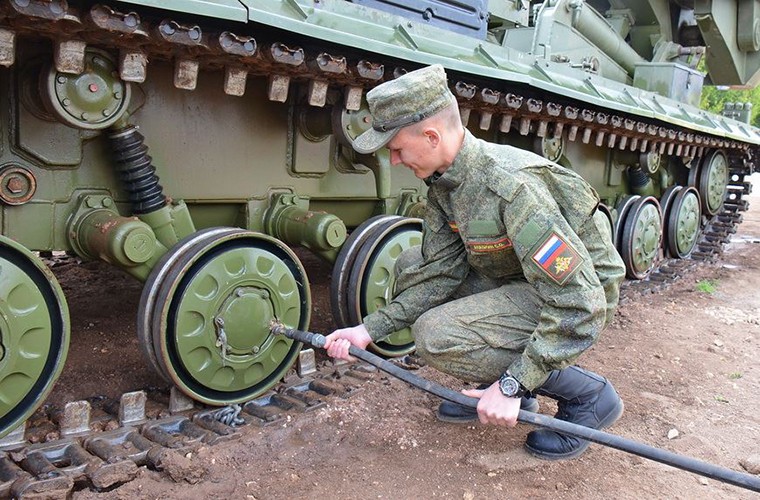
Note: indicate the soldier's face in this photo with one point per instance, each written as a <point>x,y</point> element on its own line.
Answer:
<point>417,150</point>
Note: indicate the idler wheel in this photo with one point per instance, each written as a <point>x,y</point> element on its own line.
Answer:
<point>207,308</point>
<point>34,333</point>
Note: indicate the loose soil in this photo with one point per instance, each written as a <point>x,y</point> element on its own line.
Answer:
<point>684,361</point>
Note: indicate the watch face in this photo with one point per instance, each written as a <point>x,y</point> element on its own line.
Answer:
<point>509,386</point>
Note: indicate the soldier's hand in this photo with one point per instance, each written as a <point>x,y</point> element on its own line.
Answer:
<point>494,407</point>
<point>339,341</point>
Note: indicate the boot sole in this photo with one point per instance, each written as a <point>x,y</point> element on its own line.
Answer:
<point>455,420</point>
<point>610,419</point>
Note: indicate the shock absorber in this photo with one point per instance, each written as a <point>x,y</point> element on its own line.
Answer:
<point>640,182</point>
<point>137,173</point>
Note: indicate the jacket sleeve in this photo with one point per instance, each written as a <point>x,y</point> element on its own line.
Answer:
<point>557,263</point>
<point>425,284</point>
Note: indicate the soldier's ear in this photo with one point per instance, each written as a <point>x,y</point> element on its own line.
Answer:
<point>433,136</point>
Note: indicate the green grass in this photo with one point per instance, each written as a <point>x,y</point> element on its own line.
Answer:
<point>707,286</point>
<point>735,375</point>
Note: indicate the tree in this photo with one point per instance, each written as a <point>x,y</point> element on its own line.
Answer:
<point>713,99</point>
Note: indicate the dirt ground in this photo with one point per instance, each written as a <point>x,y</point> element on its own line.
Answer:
<point>684,361</point>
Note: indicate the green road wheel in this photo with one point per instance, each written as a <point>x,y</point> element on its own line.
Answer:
<point>211,314</point>
<point>683,223</point>
<point>666,202</point>
<point>713,182</point>
<point>34,333</point>
<point>608,213</point>
<point>641,237</point>
<point>159,276</point>
<point>341,271</point>
<point>373,278</point>
<point>622,209</point>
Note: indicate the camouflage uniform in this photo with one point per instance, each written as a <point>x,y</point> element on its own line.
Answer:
<point>517,274</point>
<point>518,244</point>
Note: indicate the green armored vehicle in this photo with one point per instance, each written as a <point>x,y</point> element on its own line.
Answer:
<point>249,108</point>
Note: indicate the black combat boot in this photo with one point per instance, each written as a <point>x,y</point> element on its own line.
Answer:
<point>583,398</point>
<point>459,414</point>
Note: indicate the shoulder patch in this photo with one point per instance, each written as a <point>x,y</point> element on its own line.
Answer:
<point>557,258</point>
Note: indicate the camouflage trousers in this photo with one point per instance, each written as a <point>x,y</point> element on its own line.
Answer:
<point>481,331</point>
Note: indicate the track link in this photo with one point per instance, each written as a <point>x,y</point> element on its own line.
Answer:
<point>330,69</point>
<point>278,57</point>
<point>715,236</point>
<point>100,444</point>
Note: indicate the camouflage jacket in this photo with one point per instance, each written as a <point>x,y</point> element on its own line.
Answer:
<point>511,214</point>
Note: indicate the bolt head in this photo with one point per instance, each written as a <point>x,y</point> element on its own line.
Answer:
<point>15,185</point>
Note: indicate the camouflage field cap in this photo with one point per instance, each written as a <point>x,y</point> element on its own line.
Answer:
<point>398,103</point>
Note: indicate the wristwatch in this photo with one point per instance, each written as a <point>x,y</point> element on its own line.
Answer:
<point>510,386</point>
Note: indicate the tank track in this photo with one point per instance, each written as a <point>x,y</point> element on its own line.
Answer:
<point>99,443</point>
<point>191,46</point>
<point>102,459</point>
<point>716,234</point>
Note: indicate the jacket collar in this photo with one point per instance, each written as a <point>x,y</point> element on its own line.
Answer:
<point>455,174</point>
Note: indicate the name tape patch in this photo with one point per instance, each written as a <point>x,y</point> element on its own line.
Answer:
<point>557,258</point>
<point>489,246</point>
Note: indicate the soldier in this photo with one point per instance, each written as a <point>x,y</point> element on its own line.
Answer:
<point>516,276</point>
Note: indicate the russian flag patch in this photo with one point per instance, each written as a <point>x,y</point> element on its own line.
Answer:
<point>557,258</point>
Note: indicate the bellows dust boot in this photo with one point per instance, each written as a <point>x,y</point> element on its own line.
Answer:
<point>583,398</point>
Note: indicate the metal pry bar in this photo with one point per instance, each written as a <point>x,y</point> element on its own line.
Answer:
<point>613,441</point>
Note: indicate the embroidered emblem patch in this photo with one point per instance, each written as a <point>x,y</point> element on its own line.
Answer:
<point>453,226</point>
<point>489,246</point>
<point>557,258</point>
